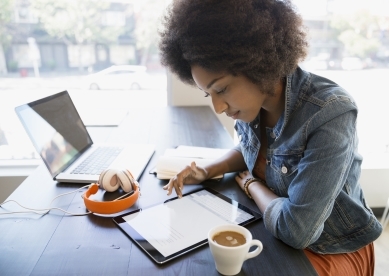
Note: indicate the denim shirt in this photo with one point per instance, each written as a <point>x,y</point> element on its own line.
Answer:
<point>314,168</point>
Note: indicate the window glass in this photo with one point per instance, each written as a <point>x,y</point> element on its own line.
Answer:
<point>42,53</point>
<point>47,46</point>
<point>349,44</point>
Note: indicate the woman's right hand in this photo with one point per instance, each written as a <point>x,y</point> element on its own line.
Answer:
<point>189,175</point>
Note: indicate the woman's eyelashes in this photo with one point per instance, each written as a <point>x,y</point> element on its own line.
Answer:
<point>222,90</point>
<point>217,92</point>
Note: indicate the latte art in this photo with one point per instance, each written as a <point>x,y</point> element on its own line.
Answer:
<point>229,238</point>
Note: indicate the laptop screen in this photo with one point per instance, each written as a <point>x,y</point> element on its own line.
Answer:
<point>56,130</point>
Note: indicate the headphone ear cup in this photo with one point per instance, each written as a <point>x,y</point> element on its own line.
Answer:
<point>109,181</point>
<point>109,207</point>
<point>126,180</point>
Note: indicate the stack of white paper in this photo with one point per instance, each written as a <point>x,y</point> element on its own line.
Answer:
<point>175,160</point>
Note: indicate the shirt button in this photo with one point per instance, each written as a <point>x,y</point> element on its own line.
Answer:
<point>284,169</point>
<point>272,135</point>
<point>256,126</point>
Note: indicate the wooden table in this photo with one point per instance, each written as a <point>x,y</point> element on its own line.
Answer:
<point>56,244</point>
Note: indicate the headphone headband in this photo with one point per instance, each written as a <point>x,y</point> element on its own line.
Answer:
<point>109,207</point>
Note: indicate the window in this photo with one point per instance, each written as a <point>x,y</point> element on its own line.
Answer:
<point>349,44</point>
<point>47,46</point>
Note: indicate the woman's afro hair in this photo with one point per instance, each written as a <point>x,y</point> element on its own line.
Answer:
<point>263,40</point>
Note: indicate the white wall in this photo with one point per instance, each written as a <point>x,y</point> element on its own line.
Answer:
<point>375,185</point>
<point>186,95</point>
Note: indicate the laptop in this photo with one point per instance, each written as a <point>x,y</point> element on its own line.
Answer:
<point>65,146</point>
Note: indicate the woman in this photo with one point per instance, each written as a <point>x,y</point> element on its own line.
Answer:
<point>297,157</point>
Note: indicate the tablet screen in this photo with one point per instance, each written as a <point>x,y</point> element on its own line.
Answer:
<point>177,226</point>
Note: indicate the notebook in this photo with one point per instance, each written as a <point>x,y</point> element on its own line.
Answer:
<point>65,146</point>
<point>168,230</point>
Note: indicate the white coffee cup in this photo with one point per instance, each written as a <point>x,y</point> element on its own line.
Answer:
<point>229,260</point>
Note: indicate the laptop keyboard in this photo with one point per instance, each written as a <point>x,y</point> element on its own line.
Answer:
<point>98,161</point>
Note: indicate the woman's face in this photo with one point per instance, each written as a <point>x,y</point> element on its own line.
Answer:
<point>236,96</point>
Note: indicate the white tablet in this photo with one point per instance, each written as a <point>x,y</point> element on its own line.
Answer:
<point>177,226</point>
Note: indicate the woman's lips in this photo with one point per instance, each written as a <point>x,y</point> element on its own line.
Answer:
<point>233,115</point>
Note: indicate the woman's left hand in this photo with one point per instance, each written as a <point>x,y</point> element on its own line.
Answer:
<point>242,177</point>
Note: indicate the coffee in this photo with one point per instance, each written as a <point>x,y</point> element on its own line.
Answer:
<point>229,238</point>
<point>230,246</point>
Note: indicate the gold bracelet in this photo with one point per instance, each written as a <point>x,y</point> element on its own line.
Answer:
<point>247,184</point>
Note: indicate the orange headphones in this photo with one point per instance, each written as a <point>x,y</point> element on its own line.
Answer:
<point>110,180</point>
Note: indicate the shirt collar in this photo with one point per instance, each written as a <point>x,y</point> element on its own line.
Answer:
<point>296,84</point>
